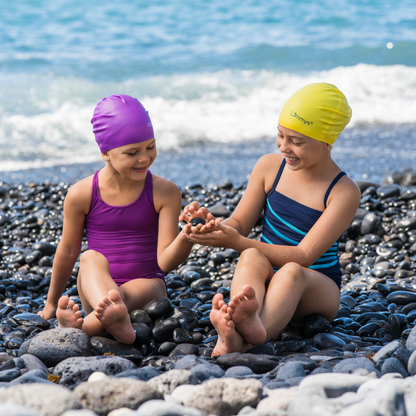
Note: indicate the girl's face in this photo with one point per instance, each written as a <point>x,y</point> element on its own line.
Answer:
<point>300,151</point>
<point>132,160</point>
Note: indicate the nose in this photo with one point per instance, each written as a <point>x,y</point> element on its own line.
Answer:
<point>281,144</point>
<point>143,157</point>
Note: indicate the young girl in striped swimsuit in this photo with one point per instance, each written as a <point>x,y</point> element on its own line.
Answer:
<point>308,202</point>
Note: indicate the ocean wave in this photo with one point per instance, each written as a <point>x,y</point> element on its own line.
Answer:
<point>224,106</point>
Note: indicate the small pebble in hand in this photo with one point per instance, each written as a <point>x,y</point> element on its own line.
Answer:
<point>195,221</point>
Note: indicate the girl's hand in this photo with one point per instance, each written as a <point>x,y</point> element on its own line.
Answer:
<point>194,210</point>
<point>221,236</point>
<point>208,227</point>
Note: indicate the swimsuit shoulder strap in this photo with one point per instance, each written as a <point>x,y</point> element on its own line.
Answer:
<point>333,183</point>
<point>279,174</point>
<point>148,188</point>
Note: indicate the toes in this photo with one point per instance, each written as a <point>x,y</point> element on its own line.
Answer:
<point>71,304</point>
<point>104,303</point>
<point>249,291</point>
<point>114,296</point>
<point>216,299</point>
<point>241,296</point>
<point>63,302</point>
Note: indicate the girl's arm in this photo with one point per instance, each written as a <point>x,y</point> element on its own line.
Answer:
<point>341,208</point>
<point>172,248</point>
<point>251,204</point>
<point>76,206</point>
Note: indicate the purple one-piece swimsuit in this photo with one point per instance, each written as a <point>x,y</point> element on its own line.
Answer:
<point>125,235</point>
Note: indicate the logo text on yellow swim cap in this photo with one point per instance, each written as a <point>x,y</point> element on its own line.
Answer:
<point>295,115</point>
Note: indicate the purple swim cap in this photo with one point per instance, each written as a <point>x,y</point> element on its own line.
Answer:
<point>119,120</point>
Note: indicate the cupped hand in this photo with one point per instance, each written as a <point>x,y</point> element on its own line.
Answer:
<point>221,236</point>
<point>194,210</point>
<point>199,229</point>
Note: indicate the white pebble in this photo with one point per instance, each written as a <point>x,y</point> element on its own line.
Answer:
<point>97,376</point>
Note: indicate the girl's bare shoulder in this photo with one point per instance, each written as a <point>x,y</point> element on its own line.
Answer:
<point>164,192</point>
<point>80,194</point>
<point>346,190</point>
<point>266,169</point>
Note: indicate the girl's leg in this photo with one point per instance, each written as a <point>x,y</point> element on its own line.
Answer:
<point>253,268</point>
<point>295,292</point>
<point>292,292</point>
<point>107,306</point>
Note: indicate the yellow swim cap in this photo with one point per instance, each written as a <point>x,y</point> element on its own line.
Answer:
<point>319,110</point>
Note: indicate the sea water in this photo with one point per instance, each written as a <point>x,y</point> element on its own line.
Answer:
<point>211,73</point>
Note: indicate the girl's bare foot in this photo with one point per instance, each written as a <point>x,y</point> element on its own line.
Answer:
<point>229,340</point>
<point>243,311</point>
<point>68,314</point>
<point>113,314</point>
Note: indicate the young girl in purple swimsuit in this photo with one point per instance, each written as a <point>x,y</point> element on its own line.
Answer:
<point>131,222</point>
<point>308,202</point>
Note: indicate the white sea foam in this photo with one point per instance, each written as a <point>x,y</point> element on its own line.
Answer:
<point>226,106</point>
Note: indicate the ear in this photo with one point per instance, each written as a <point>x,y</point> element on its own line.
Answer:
<point>105,156</point>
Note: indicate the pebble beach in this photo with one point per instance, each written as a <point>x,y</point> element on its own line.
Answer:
<point>214,77</point>
<point>363,362</point>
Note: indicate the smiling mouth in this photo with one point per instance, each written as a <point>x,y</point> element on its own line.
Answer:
<point>291,159</point>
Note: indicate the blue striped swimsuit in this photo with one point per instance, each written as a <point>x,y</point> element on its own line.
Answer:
<point>286,222</point>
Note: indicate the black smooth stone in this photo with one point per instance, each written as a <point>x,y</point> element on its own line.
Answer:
<point>195,221</point>
<point>258,363</point>
<point>368,329</point>
<point>103,345</point>
<point>142,332</point>
<point>325,340</point>
<point>366,316</point>
<point>181,336</point>
<point>411,317</point>
<point>205,281</point>
<point>166,348</point>
<point>47,249</point>
<point>218,258</point>
<point>383,289</point>
<point>190,303</point>
<point>401,297</point>
<point>393,327</point>
<point>33,257</point>
<point>409,307</point>
<point>185,349</point>
<point>164,330</point>
<point>158,307</point>
<point>185,316</point>
<point>371,224</point>
<point>197,338</point>
<point>14,343</point>
<point>388,191</point>
<point>314,324</point>
<point>190,276</point>
<point>31,319</point>
<point>205,295</point>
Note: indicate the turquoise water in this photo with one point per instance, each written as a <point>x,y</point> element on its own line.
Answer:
<point>207,71</point>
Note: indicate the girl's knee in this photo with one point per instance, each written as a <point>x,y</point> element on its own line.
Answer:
<point>251,254</point>
<point>91,255</point>
<point>291,272</point>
